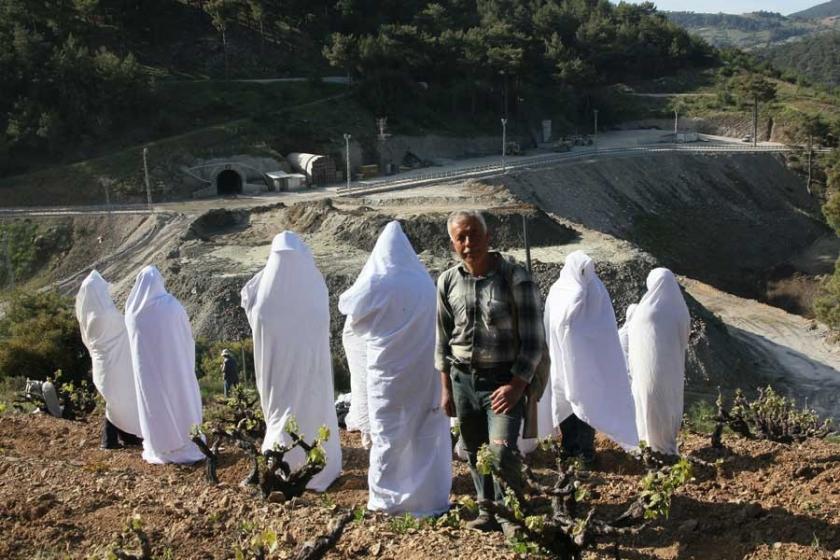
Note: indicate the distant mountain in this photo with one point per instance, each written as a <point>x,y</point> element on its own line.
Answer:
<point>751,31</point>
<point>755,21</point>
<point>817,58</point>
<point>827,9</point>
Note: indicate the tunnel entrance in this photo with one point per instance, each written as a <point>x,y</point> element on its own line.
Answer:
<point>228,182</point>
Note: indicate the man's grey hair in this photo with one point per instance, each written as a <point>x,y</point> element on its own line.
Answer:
<point>462,215</point>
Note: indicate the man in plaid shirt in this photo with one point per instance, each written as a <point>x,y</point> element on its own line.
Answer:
<point>489,342</point>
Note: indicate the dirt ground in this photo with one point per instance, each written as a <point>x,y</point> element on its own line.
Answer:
<point>60,496</point>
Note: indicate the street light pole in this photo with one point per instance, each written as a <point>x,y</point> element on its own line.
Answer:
<point>596,129</point>
<point>7,260</point>
<point>146,175</point>
<point>347,156</point>
<point>676,123</point>
<point>106,185</point>
<point>504,144</point>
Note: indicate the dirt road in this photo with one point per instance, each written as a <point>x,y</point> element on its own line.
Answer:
<point>781,342</point>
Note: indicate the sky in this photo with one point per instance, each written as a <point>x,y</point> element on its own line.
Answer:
<point>733,6</point>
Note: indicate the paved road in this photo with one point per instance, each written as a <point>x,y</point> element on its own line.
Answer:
<point>667,95</point>
<point>326,79</point>
<point>610,145</point>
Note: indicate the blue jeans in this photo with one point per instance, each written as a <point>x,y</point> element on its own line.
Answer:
<point>479,425</point>
<point>229,385</point>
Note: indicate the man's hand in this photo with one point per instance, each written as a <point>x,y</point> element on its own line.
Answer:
<point>447,403</point>
<point>505,397</point>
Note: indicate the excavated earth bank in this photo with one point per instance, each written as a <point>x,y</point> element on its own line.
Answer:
<point>222,249</point>
<point>727,220</point>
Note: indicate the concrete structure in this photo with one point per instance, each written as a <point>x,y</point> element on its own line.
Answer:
<point>231,175</point>
<point>683,137</point>
<point>281,181</point>
<point>318,169</point>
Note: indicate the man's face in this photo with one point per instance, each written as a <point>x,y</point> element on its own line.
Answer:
<point>469,241</point>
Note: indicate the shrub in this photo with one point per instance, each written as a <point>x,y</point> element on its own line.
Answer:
<point>700,416</point>
<point>208,358</point>
<point>827,306</point>
<point>770,416</point>
<point>18,237</point>
<point>38,335</point>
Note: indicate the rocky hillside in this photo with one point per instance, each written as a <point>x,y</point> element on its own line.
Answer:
<point>817,58</point>
<point>824,10</point>
<point>749,31</point>
<point>726,220</point>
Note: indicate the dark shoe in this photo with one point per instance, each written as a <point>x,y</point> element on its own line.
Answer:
<point>130,439</point>
<point>110,438</point>
<point>484,522</point>
<point>510,530</point>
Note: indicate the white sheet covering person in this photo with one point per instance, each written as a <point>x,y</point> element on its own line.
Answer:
<point>622,333</point>
<point>355,348</point>
<point>163,356</point>
<point>588,371</point>
<point>104,334</point>
<point>287,305</point>
<point>392,304</point>
<point>657,341</point>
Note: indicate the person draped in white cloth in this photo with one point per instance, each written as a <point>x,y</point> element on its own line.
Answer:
<point>623,333</point>
<point>392,305</point>
<point>589,375</point>
<point>104,334</point>
<point>355,348</point>
<point>287,305</point>
<point>657,337</point>
<point>163,356</point>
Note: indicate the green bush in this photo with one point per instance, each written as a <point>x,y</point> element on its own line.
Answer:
<point>700,416</point>
<point>39,334</point>
<point>208,357</point>
<point>10,389</point>
<point>19,238</point>
<point>827,306</point>
<point>210,386</point>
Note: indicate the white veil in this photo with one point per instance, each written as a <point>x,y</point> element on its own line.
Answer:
<point>588,367</point>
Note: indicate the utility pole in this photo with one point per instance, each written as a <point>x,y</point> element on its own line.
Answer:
<point>810,154</point>
<point>106,184</point>
<point>505,94</point>
<point>385,164</point>
<point>504,144</point>
<point>347,156</point>
<point>595,111</point>
<point>525,242</point>
<point>8,259</point>
<point>676,124</point>
<point>755,121</point>
<point>146,175</point>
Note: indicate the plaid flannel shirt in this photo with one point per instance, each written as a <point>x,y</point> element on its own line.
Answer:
<point>475,323</point>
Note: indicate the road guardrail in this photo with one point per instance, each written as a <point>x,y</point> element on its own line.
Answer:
<point>513,163</point>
